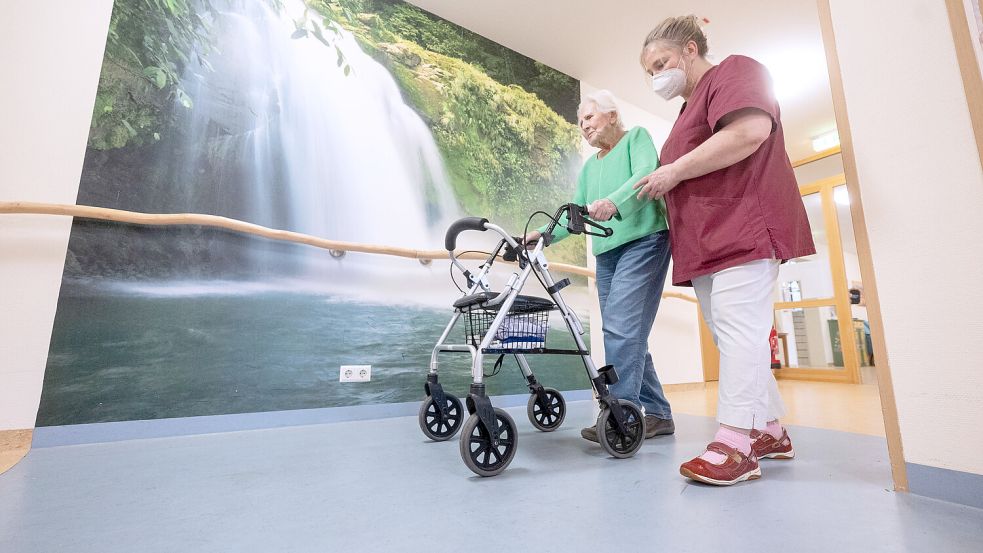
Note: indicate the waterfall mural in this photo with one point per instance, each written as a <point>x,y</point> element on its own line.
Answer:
<point>368,121</point>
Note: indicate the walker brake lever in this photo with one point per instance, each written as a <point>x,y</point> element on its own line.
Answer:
<point>605,231</point>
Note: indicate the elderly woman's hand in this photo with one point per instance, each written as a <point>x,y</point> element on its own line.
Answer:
<point>657,183</point>
<point>602,210</point>
<point>529,240</point>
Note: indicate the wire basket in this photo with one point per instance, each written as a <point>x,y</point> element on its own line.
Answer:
<point>523,328</point>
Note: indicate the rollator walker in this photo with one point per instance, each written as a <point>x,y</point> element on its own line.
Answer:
<point>507,323</point>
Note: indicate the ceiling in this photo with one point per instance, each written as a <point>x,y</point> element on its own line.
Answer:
<point>599,44</point>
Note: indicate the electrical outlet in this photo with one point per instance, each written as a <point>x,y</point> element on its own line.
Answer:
<point>355,373</point>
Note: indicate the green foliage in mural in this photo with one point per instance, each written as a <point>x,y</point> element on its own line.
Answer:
<point>507,150</point>
<point>559,91</point>
<point>150,43</point>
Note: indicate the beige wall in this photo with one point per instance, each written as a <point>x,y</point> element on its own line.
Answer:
<point>922,192</point>
<point>51,53</point>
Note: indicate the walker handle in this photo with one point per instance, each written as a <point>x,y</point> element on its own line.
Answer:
<point>578,221</point>
<point>461,225</point>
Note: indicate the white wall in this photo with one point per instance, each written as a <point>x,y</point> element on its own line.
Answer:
<point>675,339</point>
<point>51,53</point>
<point>922,191</point>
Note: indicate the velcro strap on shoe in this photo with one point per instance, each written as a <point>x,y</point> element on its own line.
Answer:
<point>726,451</point>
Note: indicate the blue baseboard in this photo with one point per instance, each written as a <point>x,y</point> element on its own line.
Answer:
<point>954,486</point>
<point>76,434</point>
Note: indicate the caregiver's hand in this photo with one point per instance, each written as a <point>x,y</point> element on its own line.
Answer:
<point>657,183</point>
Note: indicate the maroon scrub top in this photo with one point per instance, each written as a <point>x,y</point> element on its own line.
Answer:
<point>750,210</point>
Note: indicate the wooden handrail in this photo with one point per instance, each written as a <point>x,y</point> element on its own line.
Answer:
<point>820,155</point>
<point>679,296</point>
<point>216,221</point>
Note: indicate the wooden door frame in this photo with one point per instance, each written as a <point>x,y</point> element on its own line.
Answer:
<point>709,352</point>
<point>892,428</point>
<point>969,66</point>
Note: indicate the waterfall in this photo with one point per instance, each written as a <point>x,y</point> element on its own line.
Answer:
<point>308,147</point>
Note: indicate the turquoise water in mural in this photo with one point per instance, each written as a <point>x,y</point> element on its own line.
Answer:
<point>115,358</point>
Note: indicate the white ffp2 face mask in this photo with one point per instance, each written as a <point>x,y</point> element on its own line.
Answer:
<point>669,83</point>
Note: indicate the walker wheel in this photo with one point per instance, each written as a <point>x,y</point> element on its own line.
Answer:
<point>551,417</point>
<point>483,456</point>
<point>437,426</point>
<point>616,444</point>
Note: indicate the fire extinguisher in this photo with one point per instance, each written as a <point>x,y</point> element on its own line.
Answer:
<point>773,341</point>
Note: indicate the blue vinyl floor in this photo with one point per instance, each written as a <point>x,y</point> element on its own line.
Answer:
<point>379,485</point>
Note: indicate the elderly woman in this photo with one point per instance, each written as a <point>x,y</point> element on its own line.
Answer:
<point>631,263</point>
<point>734,214</point>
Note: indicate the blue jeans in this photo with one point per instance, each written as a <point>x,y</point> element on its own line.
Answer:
<point>629,286</point>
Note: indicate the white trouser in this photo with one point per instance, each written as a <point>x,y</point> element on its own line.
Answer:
<point>737,305</point>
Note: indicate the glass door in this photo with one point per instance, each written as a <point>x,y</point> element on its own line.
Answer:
<point>813,316</point>
<point>820,334</point>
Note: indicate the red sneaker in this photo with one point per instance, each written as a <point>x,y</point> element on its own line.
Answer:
<point>737,467</point>
<point>765,446</point>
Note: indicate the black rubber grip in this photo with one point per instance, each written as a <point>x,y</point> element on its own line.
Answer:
<point>461,225</point>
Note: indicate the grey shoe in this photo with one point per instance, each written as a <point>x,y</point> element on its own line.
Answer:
<point>654,426</point>
<point>590,434</point>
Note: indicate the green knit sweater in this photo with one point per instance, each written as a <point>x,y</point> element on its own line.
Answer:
<point>612,177</point>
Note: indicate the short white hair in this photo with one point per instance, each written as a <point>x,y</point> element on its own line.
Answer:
<point>604,101</point>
